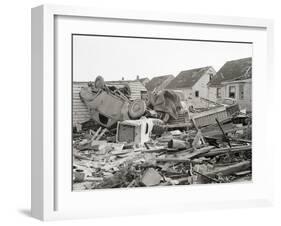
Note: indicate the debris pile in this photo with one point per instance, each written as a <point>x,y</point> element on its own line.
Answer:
<point>148,151</point>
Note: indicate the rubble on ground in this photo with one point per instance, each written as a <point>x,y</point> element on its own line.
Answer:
<point>148,151</point>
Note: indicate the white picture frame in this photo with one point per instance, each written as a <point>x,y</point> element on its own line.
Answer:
<point>51,196</point>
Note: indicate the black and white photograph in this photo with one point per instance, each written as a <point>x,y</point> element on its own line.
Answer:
<point>150,112</point>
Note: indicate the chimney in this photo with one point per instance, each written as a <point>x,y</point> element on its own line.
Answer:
<point>138,77</point>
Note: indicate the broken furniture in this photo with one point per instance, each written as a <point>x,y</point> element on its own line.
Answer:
<point>135,131</point>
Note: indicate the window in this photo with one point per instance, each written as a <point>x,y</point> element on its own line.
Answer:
<point>144,95</point>
<point>196,93</point>
<point>241,91</point>
<point>232,92</point>
<point>218,92</point>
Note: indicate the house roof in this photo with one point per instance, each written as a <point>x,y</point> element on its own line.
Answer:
<point>188,78</point>
<point>233,70</point>
<point>158,81</point>
<point>249,80</point>
<point>143,79</point>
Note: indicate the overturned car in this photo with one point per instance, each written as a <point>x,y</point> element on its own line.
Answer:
<point>108,105</point>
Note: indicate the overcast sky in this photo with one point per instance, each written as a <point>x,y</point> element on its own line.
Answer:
<point>114,58</point>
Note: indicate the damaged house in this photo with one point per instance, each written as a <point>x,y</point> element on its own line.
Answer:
<point>144,81</point>
<point>194,84</point>
<point>233,81</point>
<point>159,83</point>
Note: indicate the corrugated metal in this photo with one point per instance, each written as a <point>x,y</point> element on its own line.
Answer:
<point>80,111</point>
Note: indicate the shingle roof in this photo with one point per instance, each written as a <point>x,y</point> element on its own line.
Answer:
<point>233,70</point>
<point>188,78</point>
<point>159,81</point>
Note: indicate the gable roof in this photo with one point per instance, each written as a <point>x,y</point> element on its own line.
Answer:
<point>159,81</point>
<point>188,78</point>
<point>233,70</point>
<point>143,79</point>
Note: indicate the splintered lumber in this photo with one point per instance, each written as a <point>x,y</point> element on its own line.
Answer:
<point>96,133</point>
<point>78,156</point>
<point>242,140</point>
<point>178,160</point>
<point>212,130</point>
<point>223,133</point>
<point>242,173</point>
<point>198,139</point>
<point>101,134</point>
<point>187,125</point>
<point>188,157</point>
<point>94,179</point>
<point>161,149</point>
<point>225,171</point>
<point>199,152</point>
<point>131,183</point>
<point>208,177</point>
<point>218,151</point>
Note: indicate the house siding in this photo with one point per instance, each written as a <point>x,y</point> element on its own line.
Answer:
<point>246,102</point>
<point>187,93</point>
<point>202,87</point>
<point>80,112</point>
<point>212,92</point>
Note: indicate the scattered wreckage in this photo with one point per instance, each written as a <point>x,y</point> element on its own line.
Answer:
<point>136,144</point>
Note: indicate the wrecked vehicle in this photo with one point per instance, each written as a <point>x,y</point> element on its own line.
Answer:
<point>166,102</point>
<point>108,105</point>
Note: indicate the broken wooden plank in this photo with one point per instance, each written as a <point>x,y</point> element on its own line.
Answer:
<point>78,156</point>
<point>176,160</point>
<point>218,151</point>
<point>204,175</point>
<point>213,131</point>
<point>96,133</point>
<point>101,134</point>
<point>228,170</point>
<point>223,133</point>
<point>242,140</point>
<point>199,152</point>
<point>242,173</point>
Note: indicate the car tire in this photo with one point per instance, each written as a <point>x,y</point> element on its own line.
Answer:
<point>137,109</point>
